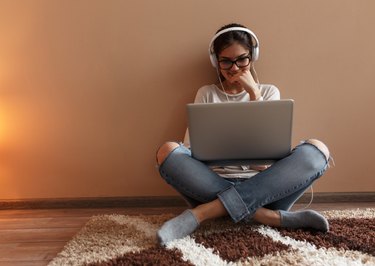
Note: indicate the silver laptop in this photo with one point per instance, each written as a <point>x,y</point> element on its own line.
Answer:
<point>257,132</point>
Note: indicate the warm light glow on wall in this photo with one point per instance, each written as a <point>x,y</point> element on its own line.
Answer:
<point>3,104</point>
<point>3,124</point>
<point>1,109</point>
<point>7,142</point>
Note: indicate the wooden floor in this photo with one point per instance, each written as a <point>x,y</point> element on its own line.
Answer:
<point>34,237</point>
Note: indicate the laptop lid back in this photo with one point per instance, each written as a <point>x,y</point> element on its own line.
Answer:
<point>256,130</point>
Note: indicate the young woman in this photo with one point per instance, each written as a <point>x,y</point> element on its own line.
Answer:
<point>263,194</point>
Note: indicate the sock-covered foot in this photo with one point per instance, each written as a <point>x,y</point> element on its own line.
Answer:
<point>178,227</point>
<point>304,219</point>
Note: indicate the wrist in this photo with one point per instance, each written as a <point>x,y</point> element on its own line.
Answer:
<point>255,94</point>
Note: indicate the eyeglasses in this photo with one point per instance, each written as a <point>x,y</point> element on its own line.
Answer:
<point>243,61</point>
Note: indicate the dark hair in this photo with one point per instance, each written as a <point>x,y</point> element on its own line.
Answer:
<point>228,38</point>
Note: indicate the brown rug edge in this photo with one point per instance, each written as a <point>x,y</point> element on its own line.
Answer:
<point>121,234</point>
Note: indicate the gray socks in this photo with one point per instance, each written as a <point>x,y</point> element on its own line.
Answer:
<point>304,219</point>
<point>178,227</point>
<point>186,223</point>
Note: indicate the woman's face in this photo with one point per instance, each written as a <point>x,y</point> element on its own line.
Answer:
<point>234,52</point>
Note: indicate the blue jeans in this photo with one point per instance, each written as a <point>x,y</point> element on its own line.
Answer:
<point>276,188</point>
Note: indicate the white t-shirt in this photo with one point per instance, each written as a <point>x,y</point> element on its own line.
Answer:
<point>212,94</point>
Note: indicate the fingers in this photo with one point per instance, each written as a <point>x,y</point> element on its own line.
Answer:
<point>243,77</point>
<point>259,167</point>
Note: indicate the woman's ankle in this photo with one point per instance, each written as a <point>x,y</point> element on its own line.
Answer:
<point>210,210</point>
<point>268,217</point>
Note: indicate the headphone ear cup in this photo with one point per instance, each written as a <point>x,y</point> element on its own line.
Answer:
<point>213,60</point>
<point>255,53</point>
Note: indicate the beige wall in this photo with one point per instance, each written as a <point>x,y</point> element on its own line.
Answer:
<point>89,89</point>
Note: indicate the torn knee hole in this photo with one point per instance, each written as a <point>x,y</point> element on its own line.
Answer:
<point>321,146</point>
<point>164,151</point>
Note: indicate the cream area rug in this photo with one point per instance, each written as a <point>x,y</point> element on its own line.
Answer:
<point>130,240</point>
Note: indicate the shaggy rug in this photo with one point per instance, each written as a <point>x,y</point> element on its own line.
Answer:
<point>130,240</point>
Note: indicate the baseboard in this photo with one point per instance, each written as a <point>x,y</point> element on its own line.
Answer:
<point>99,202</point>
<point>161,201</point>
<point>336,197</point>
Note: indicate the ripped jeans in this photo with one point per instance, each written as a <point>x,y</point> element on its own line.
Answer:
<point>276,188</point>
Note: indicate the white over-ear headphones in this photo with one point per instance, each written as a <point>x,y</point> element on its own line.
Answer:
<point>254,52</point>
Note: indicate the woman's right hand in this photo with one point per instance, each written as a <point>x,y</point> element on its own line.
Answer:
<point>244,79</point>
<point>259,167</point>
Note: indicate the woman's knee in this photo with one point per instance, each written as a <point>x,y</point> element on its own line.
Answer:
<point>321,146</point>
<point>165,150</point>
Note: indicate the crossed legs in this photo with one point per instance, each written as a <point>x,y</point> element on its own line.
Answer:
<point>215,206</point>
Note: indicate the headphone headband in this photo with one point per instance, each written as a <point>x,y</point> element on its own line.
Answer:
<point>255,50</point>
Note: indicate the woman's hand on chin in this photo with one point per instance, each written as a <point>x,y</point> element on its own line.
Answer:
<point>245,80</point>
